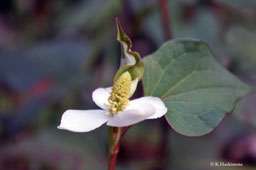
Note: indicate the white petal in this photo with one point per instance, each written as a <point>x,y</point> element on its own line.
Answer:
<point>83,120</point>
<point>156,102</point>
<point>134,113</point>
<point>100,97</point>
<point>159,105</point>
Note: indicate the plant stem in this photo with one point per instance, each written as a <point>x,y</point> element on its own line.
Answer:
<point>167,32</point>
<point>165,19</point>
<point>112,158</point>
<point>115,135</point>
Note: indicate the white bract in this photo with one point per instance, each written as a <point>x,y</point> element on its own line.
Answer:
<point>116,109</point>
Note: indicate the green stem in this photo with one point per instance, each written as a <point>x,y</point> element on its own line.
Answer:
<point>115,135</point>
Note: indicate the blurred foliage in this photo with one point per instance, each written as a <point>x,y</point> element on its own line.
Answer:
<point>54,53</point>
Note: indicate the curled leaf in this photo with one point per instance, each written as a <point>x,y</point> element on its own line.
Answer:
<point>130,60</point>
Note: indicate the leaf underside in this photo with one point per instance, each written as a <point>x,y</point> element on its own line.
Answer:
<point>196,89</point>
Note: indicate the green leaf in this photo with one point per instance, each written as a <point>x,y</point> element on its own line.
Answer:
<point>196,89</point>
<point>130,60</point>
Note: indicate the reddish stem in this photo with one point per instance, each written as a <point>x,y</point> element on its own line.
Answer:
<point>115,139</point>
<point>125,130</point>
<point>163,145</point>
<point>112,157</point>
<point>165,19</point>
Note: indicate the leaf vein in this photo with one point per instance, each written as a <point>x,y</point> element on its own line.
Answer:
<point>164,70</point>
<point>204,88</point>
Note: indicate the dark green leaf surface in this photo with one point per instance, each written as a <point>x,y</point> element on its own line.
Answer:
<point>197,90</point>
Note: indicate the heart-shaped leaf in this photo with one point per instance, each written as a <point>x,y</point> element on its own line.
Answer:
<point>197,90</point>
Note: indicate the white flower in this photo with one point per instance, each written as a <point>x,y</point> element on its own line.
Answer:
<point>136,111</point>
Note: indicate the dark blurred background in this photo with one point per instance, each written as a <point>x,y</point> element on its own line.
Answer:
<point>53,54</point>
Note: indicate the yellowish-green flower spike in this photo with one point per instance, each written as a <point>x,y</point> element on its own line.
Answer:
<point>119,96</point>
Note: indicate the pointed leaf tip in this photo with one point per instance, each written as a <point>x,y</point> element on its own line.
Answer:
<point>130,60</point>
<point>121,35</point>
<point>195,88</point>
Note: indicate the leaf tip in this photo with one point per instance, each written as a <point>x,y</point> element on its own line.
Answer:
<point>121,35</point>
<point>119,29</point>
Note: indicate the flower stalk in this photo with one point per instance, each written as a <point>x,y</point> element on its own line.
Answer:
<point>114,136</point>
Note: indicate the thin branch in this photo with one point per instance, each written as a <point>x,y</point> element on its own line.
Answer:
<point>163,144</point>
<point>165,17</point>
